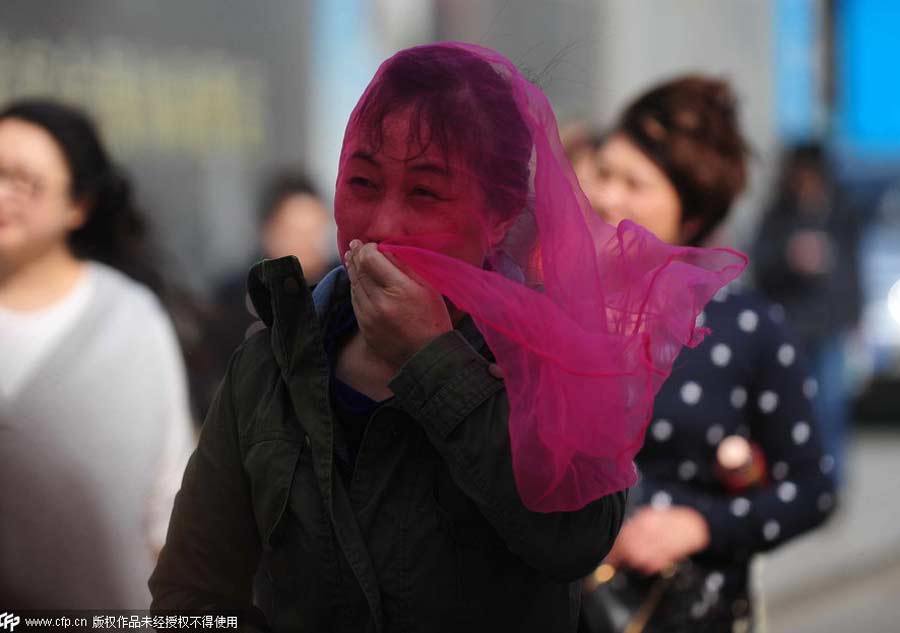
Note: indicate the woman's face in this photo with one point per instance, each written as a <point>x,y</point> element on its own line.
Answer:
<point>405,193</point>
<point>296,228</point>
<point>36,211</point>
<point>630,186</point>
<point>584,163</point>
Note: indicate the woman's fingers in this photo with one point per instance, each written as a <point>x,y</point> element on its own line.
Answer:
<point>358,277</point>
<point>614,557</point>
<point>396,315</point>
<point>362,305</point>
<point>404,269</point>
<point>371,275</point>
<point>373,264</point>
<point>359,296</point>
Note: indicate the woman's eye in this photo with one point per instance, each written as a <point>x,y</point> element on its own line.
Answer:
<point>362,183</point>
<point>425,193</point>
<point>604,174</point>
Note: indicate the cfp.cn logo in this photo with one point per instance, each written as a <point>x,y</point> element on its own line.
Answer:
<point>9,621</point>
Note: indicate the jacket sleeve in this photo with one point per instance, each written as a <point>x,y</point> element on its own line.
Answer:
<point>464,410</point>
<point>212,547</point>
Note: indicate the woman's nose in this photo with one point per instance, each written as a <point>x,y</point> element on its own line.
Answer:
<point>385,223</point>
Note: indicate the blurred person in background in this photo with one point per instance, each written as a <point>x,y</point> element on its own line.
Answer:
<point>95,425</point>
<point>292,220</point>
<point>732,463</point>
<point>581,143</point>
<point>806,259</point>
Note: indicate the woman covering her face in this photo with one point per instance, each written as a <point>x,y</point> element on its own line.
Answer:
<point>674,163</point>
<point>363,469</point>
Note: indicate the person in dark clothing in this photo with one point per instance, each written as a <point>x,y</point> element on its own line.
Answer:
<point>292,220</point>
<point>674,162</point>
<point>807,260</point>
<point>355,472</point>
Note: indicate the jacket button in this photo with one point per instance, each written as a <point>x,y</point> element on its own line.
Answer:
<point>291,286</point>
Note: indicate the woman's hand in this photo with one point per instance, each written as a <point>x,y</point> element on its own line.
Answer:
<point>397,315</point>
<point>654,538</point>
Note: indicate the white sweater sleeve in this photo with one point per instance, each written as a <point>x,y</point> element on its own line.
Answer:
<point>179,439</point>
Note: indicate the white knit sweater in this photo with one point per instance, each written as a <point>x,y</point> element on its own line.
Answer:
<point>93,444</point>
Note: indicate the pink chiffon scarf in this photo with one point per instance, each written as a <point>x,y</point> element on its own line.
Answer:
<point>585,319</point>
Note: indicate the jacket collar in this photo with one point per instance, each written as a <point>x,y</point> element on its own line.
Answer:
<point>280,297</point>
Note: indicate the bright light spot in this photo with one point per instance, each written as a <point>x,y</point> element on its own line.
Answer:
<point>893,301</point>
<point>604,573</point>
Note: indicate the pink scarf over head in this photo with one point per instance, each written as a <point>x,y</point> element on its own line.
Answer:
<point>584,318</point>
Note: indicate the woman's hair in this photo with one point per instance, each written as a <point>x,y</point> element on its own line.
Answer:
<point>114,231</point>
<point>689,128</point>
<point>281,186</point>
<point>810,159</point>
<point>463,104</point>
<point>579,139</point>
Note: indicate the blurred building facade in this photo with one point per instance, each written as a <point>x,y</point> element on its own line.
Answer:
<point>203,99</point>
<point>197,98</point>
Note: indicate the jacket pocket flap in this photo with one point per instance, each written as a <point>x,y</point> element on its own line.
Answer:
<point>270,466</point>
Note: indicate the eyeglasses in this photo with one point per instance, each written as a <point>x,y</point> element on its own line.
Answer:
<point>20,183</point>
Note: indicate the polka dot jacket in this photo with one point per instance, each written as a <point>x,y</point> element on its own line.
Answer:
<point>746,378</point>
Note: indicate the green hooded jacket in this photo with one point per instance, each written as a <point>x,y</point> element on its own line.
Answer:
<point>430,534</point>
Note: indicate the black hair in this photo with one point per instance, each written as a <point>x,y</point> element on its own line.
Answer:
<point>465,104</point>
<point>115,231</point>
<point>689,128</point>
<point>281,186</point>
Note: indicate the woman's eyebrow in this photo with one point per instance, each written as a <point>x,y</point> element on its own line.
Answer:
<point>366,157</point>
<point>426,167</point>
<point>431,168</point>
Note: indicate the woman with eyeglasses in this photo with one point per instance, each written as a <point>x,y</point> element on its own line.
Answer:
<point>95,424</point>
